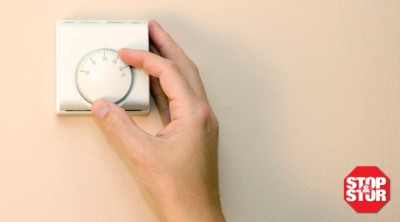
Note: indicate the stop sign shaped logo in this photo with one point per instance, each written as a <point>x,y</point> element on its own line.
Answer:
<point>366,189</point>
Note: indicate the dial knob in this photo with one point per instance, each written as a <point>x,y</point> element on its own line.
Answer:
<point>102,74</point>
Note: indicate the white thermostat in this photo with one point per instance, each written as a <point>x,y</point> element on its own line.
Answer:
<point>89,68</point>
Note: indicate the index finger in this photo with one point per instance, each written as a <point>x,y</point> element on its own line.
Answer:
<point>168,48</point>
<point>175,86</point>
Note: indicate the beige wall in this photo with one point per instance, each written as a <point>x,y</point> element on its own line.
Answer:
<point>304,90</point>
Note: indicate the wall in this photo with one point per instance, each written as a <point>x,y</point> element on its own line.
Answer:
<point>304,91</point>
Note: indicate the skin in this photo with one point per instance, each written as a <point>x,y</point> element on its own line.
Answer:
<point>177,168</point>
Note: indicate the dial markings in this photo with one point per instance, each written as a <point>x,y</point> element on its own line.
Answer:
<point>93,62</point>
<point>102,74</point>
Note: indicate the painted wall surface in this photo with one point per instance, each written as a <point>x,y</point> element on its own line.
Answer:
<point>304,91</point>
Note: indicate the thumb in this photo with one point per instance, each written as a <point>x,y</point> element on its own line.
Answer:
<point>120,127</point>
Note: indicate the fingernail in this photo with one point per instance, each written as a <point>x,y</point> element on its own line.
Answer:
<point>100,109</point>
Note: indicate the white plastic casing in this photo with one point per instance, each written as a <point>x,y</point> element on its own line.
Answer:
<point>75,39</point>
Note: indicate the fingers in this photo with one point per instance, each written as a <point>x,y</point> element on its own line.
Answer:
<point>168,48</point>
<point>174,84</point>
<point>120,127</point>
<point>164,44</point>
<point>159,96</point>
<point>161,100</point>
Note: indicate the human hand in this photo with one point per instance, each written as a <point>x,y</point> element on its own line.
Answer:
<point>177,168</point>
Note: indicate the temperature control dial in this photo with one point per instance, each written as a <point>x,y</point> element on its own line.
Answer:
<point>102,74</point>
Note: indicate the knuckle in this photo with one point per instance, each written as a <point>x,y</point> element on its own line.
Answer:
<point>215,122</point>
<point>183,64</point>
<point>193,66</point>
<point>172,65</point>
<point>205,116</point>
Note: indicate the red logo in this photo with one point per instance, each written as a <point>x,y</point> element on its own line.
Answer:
<point>366,189</point>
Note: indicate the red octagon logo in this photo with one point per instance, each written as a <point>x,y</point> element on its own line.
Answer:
<point>366,189</point>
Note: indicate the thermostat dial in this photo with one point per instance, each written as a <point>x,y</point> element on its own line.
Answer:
<point>102,74</point>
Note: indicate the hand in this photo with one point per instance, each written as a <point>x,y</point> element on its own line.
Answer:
<point>177,168</point>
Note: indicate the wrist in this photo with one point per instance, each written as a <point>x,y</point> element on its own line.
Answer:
<point>174,204</point>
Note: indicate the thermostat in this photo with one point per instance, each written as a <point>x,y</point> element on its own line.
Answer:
<point>89,68</point>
